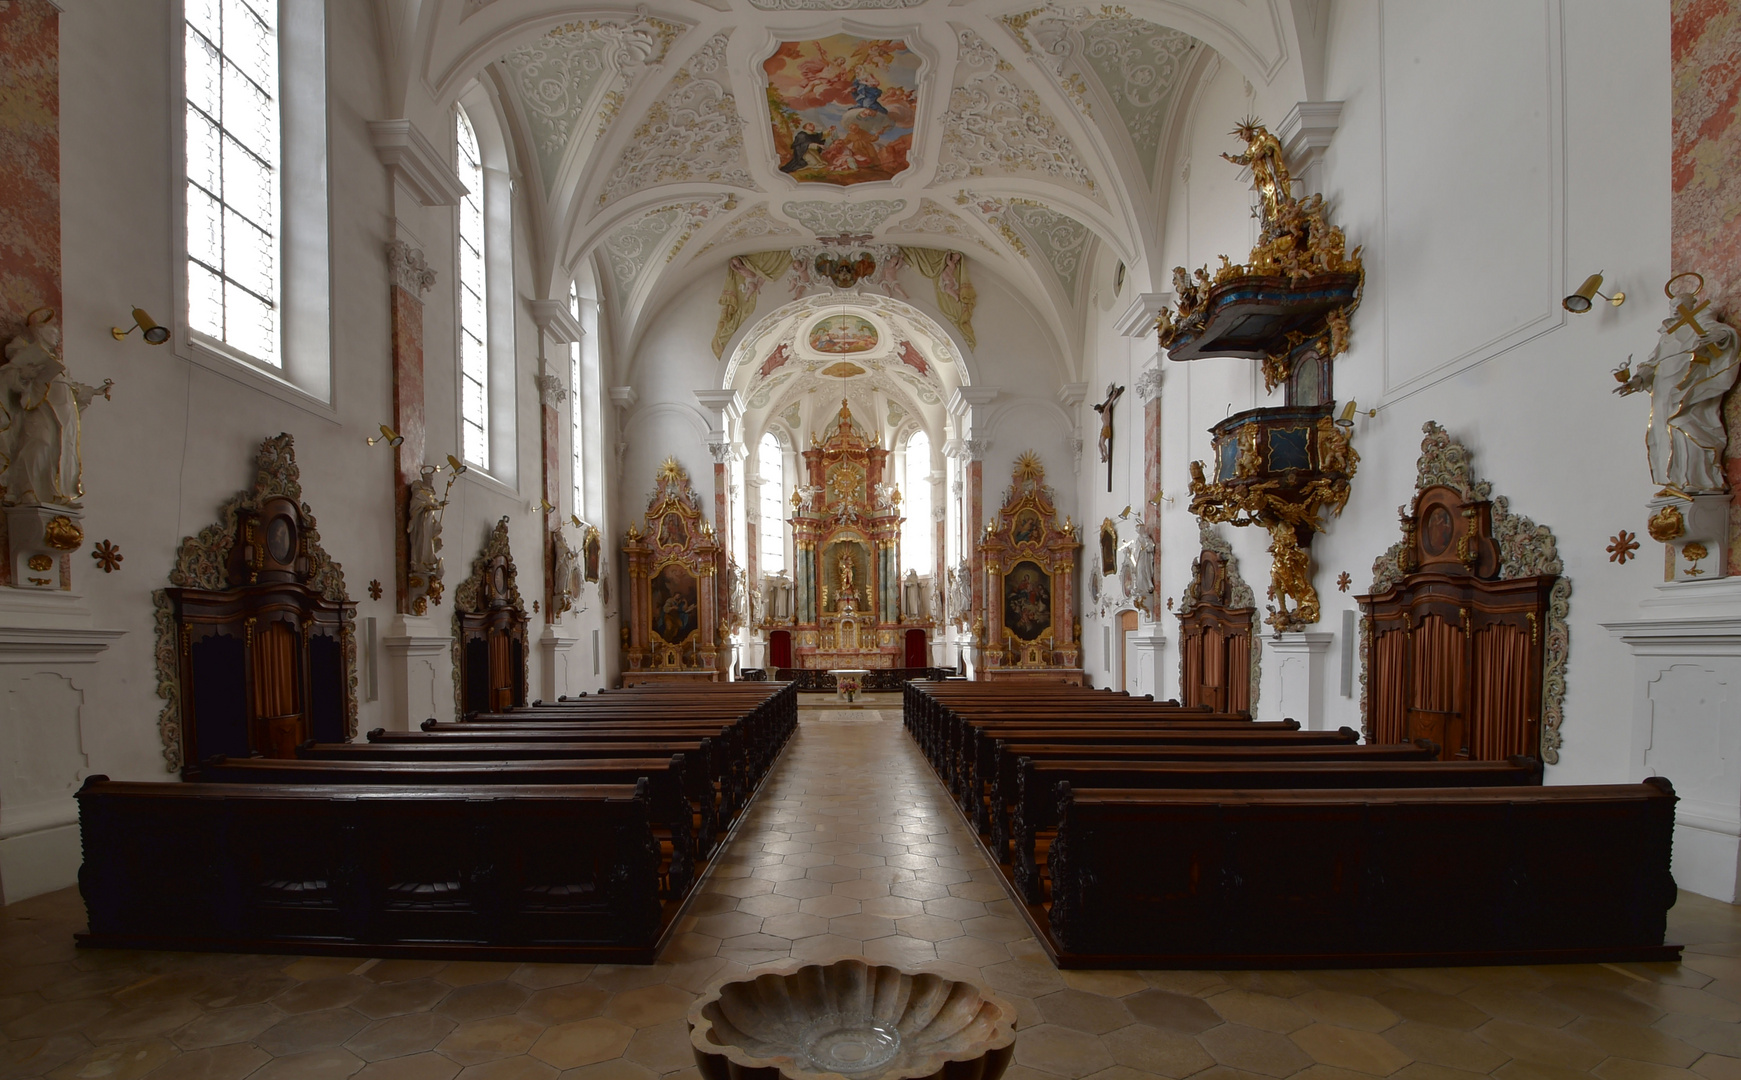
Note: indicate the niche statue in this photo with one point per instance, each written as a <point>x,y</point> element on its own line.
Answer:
<point>40,414</point>
<point>423,569</point>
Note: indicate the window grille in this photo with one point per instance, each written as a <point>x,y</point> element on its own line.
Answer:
<point>232,150</point>
<point>772,547</point>
<point>474,366</point>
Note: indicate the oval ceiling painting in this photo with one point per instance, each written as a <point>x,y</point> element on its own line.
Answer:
<point>843,334</point>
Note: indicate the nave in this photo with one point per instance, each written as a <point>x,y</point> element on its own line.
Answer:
<point>851,846</point>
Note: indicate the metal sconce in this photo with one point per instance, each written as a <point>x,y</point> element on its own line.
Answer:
<point>147,327</point>
<point>1584,299</point>
<point>388,435</point>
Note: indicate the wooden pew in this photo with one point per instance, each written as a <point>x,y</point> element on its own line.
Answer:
<point>1038,782</point>
<point>677,815</point>
<point>715,781</point>
<point>527,872</point>
<point>1379,878</point>
<point>1002,794</point>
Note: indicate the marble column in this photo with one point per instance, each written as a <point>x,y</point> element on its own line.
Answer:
<point>411,278</point>
<point>29,162</point>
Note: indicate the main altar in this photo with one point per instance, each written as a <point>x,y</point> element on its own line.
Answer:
<point>846,532</point>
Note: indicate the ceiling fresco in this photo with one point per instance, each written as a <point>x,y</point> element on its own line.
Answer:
<point>658,143</point>
<point>842,108</point>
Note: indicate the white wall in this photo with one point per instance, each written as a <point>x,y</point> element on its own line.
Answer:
<point>179,438</point>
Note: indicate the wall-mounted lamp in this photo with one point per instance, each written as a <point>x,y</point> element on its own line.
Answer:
<point>544,505</point>
<point>1346,420</point>
<point>388,436</point>
<point>456,466</point>
<point>579,524</point>
<point>146,325</point>
<point>1582,300</point>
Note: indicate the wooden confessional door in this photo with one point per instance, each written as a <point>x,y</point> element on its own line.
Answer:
<point>779,649</point>
<point>1454,652</point>
<point>279,725</point>
<point>918,650</point>
<point>1216,644</point>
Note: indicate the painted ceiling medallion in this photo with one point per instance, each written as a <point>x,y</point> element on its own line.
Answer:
<point>842,108</point>
<point>844,369</point>
<point>843,334</point>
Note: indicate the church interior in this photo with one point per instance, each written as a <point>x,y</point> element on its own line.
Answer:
<point>908,457</point>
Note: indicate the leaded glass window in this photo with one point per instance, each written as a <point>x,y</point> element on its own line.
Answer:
<point>576,441</point>
<point>772,541</point>
<point>232,149</point>
<point>474,364</point>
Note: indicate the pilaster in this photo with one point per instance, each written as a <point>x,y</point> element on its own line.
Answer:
<point>419,670</point>
<point>1292,677</point>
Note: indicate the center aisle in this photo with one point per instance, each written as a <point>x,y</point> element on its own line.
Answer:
<point>853,848</point>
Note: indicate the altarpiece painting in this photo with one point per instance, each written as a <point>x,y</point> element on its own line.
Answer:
<point>1030,578</point>
<point>674,563</point>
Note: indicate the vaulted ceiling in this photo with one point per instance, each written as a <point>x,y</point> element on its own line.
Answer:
<point>645,141</point>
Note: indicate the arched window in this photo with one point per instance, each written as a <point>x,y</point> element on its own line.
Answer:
<point>576,439</point>
<point>232,175</point>
<point>918,535</point>
<point>474,364</point>
<point>772,545</point>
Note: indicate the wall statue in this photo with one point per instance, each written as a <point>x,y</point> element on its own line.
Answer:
<point>1693,365</point>
<point>565,578</point>
<point>40,414</point>
<point>423,569</point>
<point>1136,569</point>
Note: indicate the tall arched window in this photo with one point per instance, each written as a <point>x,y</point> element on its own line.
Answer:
<point>772,545</point>
<point>576,440</point>
<point>918,534</point>
<point>233,138</point>
<point>474,365</point>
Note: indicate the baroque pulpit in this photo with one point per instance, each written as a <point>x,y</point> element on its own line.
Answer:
<point>1030,585</point>
<point>846,531</point>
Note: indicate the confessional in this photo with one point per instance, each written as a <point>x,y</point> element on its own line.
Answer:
<point>489,629</point>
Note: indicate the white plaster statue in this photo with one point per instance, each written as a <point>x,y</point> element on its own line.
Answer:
<point>1694,364</point>
<point>565,575</point>
<point>40,414</point>
<point>423,517</point>
<point>1136,568</point>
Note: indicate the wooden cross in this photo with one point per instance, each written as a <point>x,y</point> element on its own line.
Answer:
<point>1113,393</point>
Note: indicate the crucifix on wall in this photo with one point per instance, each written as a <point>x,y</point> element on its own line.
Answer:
<point>1113,393</point>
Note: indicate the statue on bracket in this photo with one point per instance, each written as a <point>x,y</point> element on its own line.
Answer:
<point>565,577</point>
<point>423,568</point>
<point>1687,375</point>
<point>41,483</point>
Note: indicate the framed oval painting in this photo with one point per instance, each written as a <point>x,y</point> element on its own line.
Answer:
<point>843,334</point>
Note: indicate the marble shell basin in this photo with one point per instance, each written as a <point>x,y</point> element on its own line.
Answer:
<point>853,1019</point>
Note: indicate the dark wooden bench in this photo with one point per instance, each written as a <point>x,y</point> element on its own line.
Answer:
<point>526,872</point>
<point>1440,876</point>
<point>1002,796</point>
<point>1038,782</point>
<point>678,813</point>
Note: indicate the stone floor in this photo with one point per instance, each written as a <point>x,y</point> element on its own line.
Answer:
<point>852,848</point>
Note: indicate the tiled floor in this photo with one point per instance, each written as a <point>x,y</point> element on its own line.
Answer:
<point>852,848</point>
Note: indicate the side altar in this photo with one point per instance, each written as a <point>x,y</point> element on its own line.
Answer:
<point>846,532</point>
<point>1030,622</point>
<point>672,632</point>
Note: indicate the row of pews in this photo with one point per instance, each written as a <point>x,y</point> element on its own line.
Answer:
<point>570,830</point>
<point>1142,834</point>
